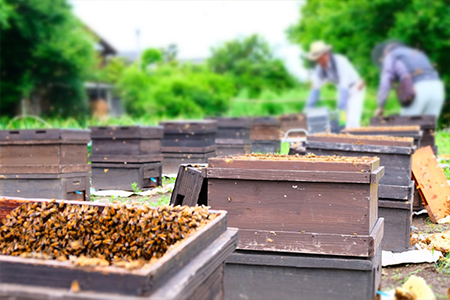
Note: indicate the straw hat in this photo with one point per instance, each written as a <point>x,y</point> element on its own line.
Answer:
<point>317,49</point>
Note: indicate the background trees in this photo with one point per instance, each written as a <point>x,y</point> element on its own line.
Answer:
<point>45,53</point>
<point>355,27</point>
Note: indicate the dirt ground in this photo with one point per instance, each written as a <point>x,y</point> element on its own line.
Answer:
<point>439,280</point>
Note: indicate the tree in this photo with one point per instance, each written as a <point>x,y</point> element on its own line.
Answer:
<point>150,56</point>
<point>355,27</point>
<point>45,52</point>
<point>251,65</point>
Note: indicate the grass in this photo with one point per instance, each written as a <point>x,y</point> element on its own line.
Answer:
<point>443,265</point>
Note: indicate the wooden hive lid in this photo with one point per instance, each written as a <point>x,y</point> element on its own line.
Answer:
<point>126,132</point>
<point>189,127</point>
<point>34,136</point>
<point>386,129</point>
<point>225,122</point>
<point>377,140</point>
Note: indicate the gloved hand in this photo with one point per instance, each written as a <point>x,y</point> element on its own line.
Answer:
<point>379,112</point>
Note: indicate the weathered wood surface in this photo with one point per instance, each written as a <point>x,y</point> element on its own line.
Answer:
<point>122,158</point>
<point>188,140</point>
<point>267,276</point>
<point>293,164</point>
<point>172,161</point>
<point>265,129</point>
<point>191,186</point>
<point>126,132</point>
<point>69,186</point>
<point>233,129</point>
<point>397,217</point>
<point>396,160</point>
<point>395,191</point>
<point>431,183</point>
<point>188,149</point>
<point>123,148</point>
<point>296,206</point>
<point>189,127</point>
<point>294,176</point>
<point>266,146</point>
<point>417,203</point>
<point>313,243</point>
<point>120,176</point>
<point>293,121</point>
<point>232,149</point>
<point>415,134</point>
<point>424,121</point>
<point>179,274</point>
<point>357,140</point>
<point>61,135</point>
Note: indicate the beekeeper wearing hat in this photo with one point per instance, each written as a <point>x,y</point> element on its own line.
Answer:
<point>337,69</point>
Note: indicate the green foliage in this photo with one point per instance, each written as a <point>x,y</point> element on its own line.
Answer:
<point>172,91</point>
<point>150,56</point>
<point>46,53</point>
<point>5,12</point>
<point>443,142</point>
<point>135,189</point>
<point>355,27</point>
<point>251,65</point>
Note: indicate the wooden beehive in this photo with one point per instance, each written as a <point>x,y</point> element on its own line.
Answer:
<point>191,269</point>
<point>273,275</point>
<point>45,163</point>
<point>191,142</point>
<point>233,136</point>
<point>130,144</point>
<point>399,131</point>
<point>427,124</point>
<point>295,204</point>
<point>265,135</point>
<point>293,121</point>
<point>394,153</point>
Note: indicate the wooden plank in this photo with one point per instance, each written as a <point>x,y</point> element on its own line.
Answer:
<point>126,132</point>
<point>394,191</point>
<point>188,140</point>
<point>359,140</point>
<point>369,148</point>
<point>190,127</point>
<point>424,121</point>
<point>288,175</point>
<point>126,147</point>
<point>431,183</point>
<point>295,206</point>
<point>126,158</point>
<point>44,169</point>
<point>293,163</point>
<point>80,136</point>
<point>314,243</point>
<point>188,149</point>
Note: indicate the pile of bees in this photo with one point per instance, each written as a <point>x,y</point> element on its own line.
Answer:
<point>119,235</point>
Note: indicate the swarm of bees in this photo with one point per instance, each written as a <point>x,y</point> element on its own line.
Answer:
<point>120,235</point>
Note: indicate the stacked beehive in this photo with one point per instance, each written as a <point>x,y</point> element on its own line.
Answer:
<point>187,142</point>
<point>233,136</point>
<point>306,224</point>
<point>427,124</point>
<point>45,163</point>
<point>395,190</point>
<point>111,252</point>
<point>124,155</point>
<point>265,135</point>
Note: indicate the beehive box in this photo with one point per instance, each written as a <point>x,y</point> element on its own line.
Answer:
<point>191,186</point>
<point>271,275</point>
<point>44,151</point>
<point>265,135</point>
<point>318,120</point>
<point>397,217</point>
<point>394,153</point>
<point>190,269</point>
<point>427,124</point>
<point>296,203</point>
<point>45,163</point>
<point>120,176</point>
<point>233,136</point>
<point>293,121</point>
<point>131,144</point>
<point>191,142</point>
<point>400,131</point>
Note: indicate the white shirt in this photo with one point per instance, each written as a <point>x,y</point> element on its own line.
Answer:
<point>346,73</point>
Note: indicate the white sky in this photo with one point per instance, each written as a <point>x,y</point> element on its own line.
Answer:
<point>194,26</point>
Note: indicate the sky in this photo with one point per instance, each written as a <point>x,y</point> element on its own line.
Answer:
<point>194,26</point>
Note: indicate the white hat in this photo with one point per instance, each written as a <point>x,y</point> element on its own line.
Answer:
<point>317,49</point>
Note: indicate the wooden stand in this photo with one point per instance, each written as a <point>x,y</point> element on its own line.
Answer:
<point>190,188</point>
<point>299,205</point>
<point>49,163</point>
<point>193,269</point>
<point>272,275</point>
<point>120,176</point>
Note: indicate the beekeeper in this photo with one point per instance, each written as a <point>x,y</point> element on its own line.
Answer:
<point>419,88</point>
<point>337,69</point>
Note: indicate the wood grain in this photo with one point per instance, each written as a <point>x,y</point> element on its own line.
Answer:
<point>431,183</point>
